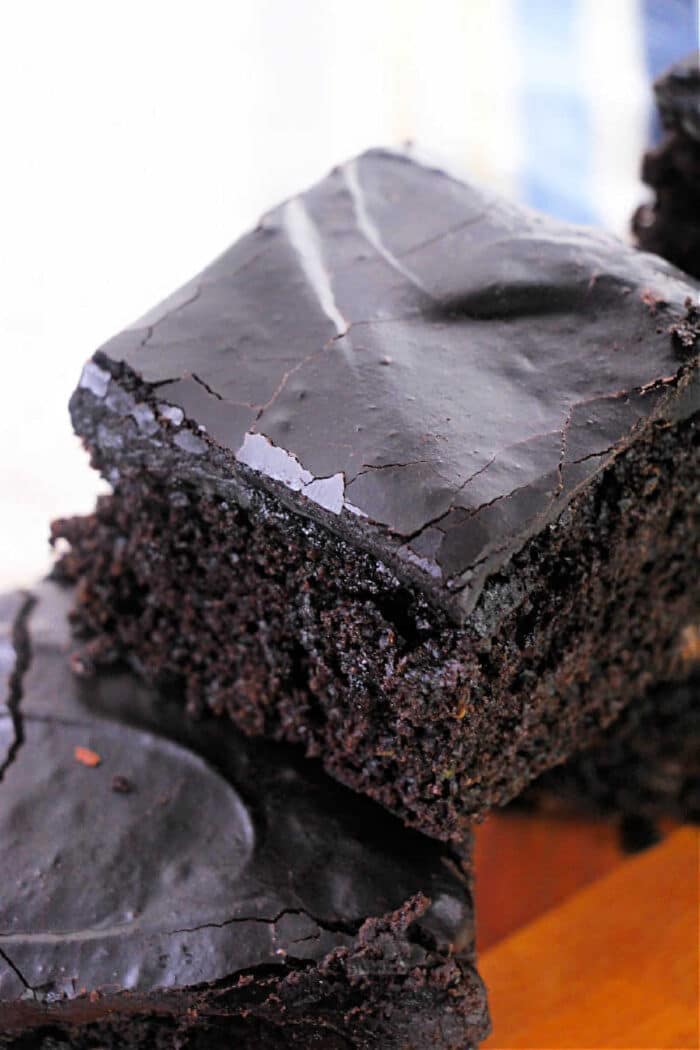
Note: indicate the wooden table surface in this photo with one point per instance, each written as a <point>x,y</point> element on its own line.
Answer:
<point>583,948</point>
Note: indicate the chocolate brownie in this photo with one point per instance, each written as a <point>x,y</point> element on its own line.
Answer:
<point>670,224</point>
<point>409,476</point>
<point>645,765</point>
<point>172,884</point>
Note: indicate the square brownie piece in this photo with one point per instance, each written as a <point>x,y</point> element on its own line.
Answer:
<point>166,883</point>
<point>409,475</point>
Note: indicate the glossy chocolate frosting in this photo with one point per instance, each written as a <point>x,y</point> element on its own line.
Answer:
<point>427,369</point>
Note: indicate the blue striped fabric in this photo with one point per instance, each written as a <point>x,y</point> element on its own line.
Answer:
<point>555,172</point>
<point>670,31</point>
<point>555,109</point>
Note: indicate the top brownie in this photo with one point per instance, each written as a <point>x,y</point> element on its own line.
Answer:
<point>169,885</point>
<point>407,475</point>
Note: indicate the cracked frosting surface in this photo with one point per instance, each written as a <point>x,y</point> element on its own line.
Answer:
<point>212,854</point>
<point>421,364</point>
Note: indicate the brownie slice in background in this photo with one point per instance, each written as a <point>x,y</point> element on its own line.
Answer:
<point>670,225</point>
<point>409,476</point>
<point>169,884</point>
<point>644,767</point>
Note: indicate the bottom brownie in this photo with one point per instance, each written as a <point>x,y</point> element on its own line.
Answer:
<point>166,883</point>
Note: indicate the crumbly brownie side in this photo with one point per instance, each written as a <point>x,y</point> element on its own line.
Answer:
<point>387,991</point>
<point>266,616</point>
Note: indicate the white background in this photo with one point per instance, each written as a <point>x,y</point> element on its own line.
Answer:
<point>138,139</point>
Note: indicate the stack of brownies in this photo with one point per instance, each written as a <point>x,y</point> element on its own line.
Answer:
<point>405,483</point>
